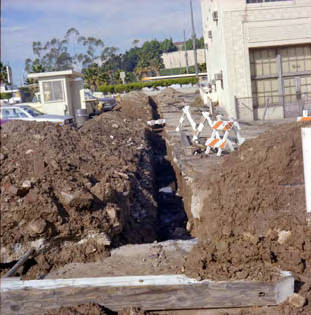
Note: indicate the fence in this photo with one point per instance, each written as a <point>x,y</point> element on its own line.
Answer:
<point>272,107</point>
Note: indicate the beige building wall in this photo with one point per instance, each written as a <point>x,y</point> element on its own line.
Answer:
<point>243,26</point>
<point>176,59</point>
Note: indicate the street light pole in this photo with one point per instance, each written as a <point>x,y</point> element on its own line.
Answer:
<point>186,54</point>
<point>194,44</point>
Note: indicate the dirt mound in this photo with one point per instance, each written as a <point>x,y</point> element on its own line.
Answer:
<point>84,309</point>
<point>197,102</point>
<point>254,218</point>
<point>169,95</point>
<point>74,193</point>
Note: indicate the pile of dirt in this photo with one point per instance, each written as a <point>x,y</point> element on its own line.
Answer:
<point>169,96</point>
<point>72,194</point>
<point>197,102</point>
<point>83,309</point>
<point>254,216</point>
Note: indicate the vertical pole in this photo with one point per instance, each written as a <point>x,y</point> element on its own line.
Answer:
<point>186,54</point>
<point>306,149</point>
<point>280,81</point>
<point>194,40</point>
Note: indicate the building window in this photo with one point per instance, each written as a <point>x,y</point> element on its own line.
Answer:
<point>53,91</point>
<point>260,1</point>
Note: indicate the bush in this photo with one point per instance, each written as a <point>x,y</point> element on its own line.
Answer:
<point>106,89</point>
<point>5,96</point>
<point>120,88</point>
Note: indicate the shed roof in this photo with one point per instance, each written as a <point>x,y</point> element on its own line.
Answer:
<point>69,73</point>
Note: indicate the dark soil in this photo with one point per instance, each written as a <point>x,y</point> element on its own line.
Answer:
<point>84,309</point>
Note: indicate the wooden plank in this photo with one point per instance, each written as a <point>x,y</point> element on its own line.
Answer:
<point>166,292</point>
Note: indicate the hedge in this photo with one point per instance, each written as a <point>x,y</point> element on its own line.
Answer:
<point>120,88</point>
<point>5,96</point>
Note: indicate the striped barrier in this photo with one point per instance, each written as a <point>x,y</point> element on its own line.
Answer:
<point>304,117</point>
<point>186,114</point>
<point>216,141</point>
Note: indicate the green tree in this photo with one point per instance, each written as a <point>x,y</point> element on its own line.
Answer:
<point>199,43</point>
<point>73,51</point>
<point>167,46</point>
<point>3,73</point>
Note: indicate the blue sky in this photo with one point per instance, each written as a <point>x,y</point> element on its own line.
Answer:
<point>116,22</point>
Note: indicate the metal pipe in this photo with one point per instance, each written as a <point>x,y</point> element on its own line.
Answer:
<point>186,54</point>
<point>13,270</point>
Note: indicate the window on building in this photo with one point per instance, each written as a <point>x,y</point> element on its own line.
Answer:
<point>53,91</point>
<point>260,1</point>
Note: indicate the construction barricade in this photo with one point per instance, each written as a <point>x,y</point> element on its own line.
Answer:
<point>215,141</point>
<point>304,117</point>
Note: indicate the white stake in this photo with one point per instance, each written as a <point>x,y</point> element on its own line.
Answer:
<point>306,149</point>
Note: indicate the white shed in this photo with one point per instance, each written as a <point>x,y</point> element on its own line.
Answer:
<point>60,91</point>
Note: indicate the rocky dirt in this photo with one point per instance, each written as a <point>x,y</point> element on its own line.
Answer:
<point>84,309</point>
<point>72,194</point>
<point>254,216</point>
<point>253,219</point>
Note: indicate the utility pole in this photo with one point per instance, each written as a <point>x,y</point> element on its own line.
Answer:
<point>186,54</point>
<point>194,44</point>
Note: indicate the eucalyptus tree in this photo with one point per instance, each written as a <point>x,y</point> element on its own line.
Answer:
<point>74,51</point>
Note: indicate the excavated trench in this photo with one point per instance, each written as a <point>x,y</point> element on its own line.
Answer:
<point>172,218</point>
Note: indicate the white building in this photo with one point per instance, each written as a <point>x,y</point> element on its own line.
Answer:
<point>177,59</point>
<point>258,56</point>
<point>60,91</point>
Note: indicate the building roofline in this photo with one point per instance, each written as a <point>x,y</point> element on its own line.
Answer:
<point>70,73</point>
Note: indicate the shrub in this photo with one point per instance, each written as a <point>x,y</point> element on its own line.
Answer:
<point>120,88</point>
<point>5,95</point>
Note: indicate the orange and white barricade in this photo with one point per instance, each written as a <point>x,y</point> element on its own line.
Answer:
<point>186,114</point>
<point>218,142</point>
<point>304,117</point>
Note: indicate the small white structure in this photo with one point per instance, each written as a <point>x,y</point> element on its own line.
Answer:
<point>177,59</point>
<point>61,91</point>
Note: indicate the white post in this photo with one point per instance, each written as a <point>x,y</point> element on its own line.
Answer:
<point>306,149</point>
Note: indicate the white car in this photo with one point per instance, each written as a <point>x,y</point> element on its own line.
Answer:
<point>25,112</point>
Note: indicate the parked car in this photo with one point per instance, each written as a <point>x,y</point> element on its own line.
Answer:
<point>34,103</point>
<point>25,112</point>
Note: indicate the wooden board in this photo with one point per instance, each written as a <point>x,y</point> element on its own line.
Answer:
<point>148,292</point>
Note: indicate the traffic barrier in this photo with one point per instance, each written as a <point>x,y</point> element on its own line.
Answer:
<point>304,117</point>
<point>216,141</point>
<point>186,114</point>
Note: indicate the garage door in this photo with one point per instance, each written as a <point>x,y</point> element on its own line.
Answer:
<point>281,77</point>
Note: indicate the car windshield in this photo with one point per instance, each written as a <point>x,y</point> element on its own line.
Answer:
<point>33,112</point>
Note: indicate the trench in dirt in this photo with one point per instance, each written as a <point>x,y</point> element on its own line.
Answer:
<point>172,219</point>
<point>171,216</point>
